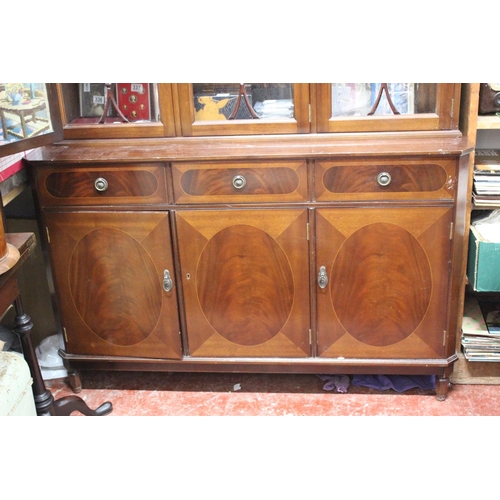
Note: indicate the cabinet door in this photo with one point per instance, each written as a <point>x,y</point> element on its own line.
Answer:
<point>147,110</point>
<point>212,109</point>
<point>387,289</point>
<point>28,122</point>
<point>109,271</point>
<point>376,107</point>
<point>245,276</point>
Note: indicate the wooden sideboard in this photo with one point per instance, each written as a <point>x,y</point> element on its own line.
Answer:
<point>327,252</point>
<point>316,255</point>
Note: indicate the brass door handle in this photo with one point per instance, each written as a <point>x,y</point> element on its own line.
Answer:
<point>167,281</point>
<point>322,277</point>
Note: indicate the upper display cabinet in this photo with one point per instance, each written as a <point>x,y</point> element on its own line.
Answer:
<point>116,110</point>
<point>141,110</point>
<point>244,108</point>
<point>380,107</point>
<point>29,115</point>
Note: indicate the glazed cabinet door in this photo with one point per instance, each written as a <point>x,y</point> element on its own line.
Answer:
<point>213,109</point>
<point>245,276</point>
<point>386,107</point>
<point>382,282</point>
<point>115,282</point>
<point>116,110</point>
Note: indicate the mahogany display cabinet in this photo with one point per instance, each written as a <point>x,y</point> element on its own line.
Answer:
<point>286,228</point>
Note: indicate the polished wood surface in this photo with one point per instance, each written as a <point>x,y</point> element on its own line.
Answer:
<point>109,270</point>
<point>245,281</point>
<point>261,181</point>
<point>313,146</point>
<point>247,277</point>
<point>143,184</point>
<point>388,281</point>
<point>410,178</point>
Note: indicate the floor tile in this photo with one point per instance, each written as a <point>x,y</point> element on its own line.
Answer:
<point>213,394</point>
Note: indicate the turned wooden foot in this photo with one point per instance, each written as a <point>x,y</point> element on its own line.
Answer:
<point>75,381</point>
<point>442,386</point>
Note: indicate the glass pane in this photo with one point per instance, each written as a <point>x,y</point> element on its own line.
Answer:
<point>363,99</point>
<point>24,111</point>
<point>125,102</point>
<point>245,101</point>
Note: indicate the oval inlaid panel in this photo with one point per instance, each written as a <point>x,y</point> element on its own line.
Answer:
<point>245,285</point>
<point>363,179</point>
<point>381,284</point>
<point>115,287</point>
<point>120,183</point>
<point>213,182</point>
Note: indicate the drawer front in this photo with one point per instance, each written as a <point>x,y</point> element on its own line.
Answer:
<point>386,179</point>
<point>244,182</point>
<point>138,184</point>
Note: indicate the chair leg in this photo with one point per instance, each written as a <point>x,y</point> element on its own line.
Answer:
<point>44,401</point>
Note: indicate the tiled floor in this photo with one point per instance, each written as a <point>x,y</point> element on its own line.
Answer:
<point>200,394</point>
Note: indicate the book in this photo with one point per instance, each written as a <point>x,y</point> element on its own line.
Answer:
<point>486,200</point>
<point>486,175</point>
<point>493,321</point>
<point>486,182</point>
<point>480,342</point>
<point>487,160</point>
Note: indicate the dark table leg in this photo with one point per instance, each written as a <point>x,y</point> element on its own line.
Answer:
<point>44,401</point>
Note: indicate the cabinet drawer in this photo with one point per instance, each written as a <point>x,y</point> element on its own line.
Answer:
<point>245,182</point>
<point>106,185</point>
<point>386,179</point>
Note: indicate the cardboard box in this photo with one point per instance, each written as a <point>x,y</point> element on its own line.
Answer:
<point>483,267</point>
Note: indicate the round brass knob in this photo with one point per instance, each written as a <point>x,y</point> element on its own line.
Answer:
<point>101,184</point>
<point>239,182</point>
<point>384,179</point>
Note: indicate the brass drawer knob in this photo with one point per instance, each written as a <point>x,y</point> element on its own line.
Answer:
<point>384,179</point>
<point>239,182</point>
<point>101,184</point>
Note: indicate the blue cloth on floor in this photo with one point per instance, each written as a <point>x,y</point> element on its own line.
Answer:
<point>399,383</point>
<point>338,383</point>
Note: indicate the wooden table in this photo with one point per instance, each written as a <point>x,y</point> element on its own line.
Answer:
<point>23,111</point>
<point>10,294</point>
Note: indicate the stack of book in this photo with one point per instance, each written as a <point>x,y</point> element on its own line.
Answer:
<point>480,337</point>
<point>486,192</point>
